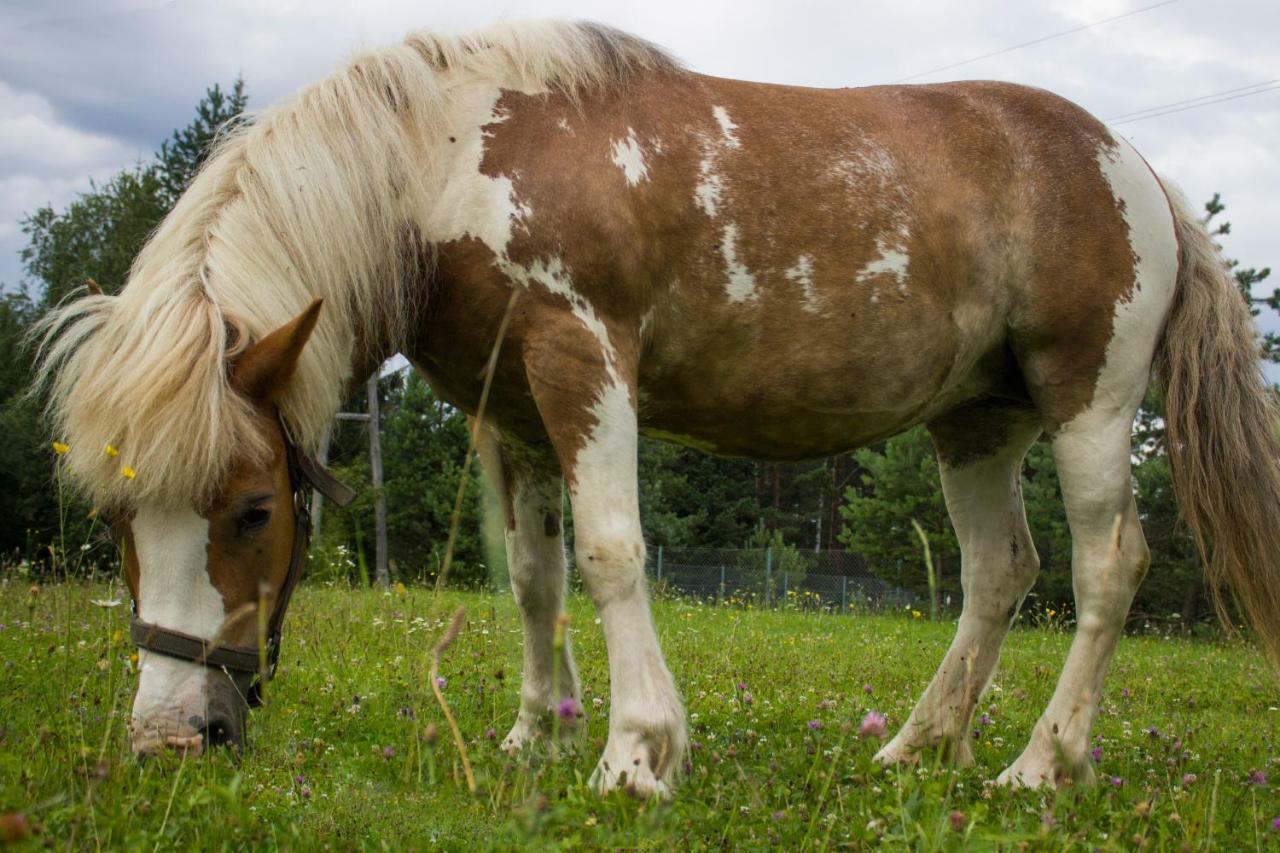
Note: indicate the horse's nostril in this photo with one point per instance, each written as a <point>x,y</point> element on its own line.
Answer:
<point>219,733</point>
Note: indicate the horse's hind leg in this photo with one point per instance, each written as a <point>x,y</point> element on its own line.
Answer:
<point>980,451</point>
<point>528,483</point>
<point>1109,558</point>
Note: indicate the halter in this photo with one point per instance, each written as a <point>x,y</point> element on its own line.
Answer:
<point>304,472</point>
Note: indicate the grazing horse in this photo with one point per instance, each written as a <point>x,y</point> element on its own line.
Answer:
<point>767,271</point>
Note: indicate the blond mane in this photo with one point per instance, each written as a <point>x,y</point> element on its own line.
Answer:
<point>316,197</point>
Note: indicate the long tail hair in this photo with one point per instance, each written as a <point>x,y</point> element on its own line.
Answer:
<point>1221,419</point>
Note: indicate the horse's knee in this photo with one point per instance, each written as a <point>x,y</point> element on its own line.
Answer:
<point>612,564</point>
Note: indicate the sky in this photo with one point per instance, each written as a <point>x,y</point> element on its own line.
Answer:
<point>89,88</point>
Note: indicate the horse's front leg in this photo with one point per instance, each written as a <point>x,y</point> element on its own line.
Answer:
<point>584,386</point>
<point>528,483</point>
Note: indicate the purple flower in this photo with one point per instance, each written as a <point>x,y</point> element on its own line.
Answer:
<point>866,688</point>
<point>1096,753</point>
<point>1153,732</point>
<point>748,699</point>
<point>1257,777</point>
<point>1275,825</point>
<point>441,682</point>
<point>568,708</point>
<point>872,725</point>
<point>815,724</point>
<point>388,753</point>
<point>299,779</point>
<point>783,816</point>
<point>490,734</point>
<point>742,685</point>
<point>1188,779</point>
<point>1116,781</point>
<point>306,792</point>
<point>1125,693</point>
<point>984,720</point>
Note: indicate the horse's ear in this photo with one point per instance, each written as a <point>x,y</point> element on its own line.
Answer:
<point>93,287</point>
<point>263,370</point>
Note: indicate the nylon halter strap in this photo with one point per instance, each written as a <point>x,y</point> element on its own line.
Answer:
<point>304,473</point>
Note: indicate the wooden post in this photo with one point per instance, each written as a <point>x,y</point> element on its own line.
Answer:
<point>317,499</point>
<point>382,575</point>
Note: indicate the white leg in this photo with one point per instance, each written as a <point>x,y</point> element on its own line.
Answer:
<point>529,487</point>
<point>647,735</point>
<point>1109,558</point>
<point>998,567</point>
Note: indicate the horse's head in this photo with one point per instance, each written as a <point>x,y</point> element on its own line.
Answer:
<point>209,581</point>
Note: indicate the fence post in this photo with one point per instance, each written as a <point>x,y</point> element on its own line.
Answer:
<point>785,588</point>
<point>768,575</point>
<point>844,593</point>
<point>659,564</point>
<point>722,582</point>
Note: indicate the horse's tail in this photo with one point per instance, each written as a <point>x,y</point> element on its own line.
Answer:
<point>1221,418</point>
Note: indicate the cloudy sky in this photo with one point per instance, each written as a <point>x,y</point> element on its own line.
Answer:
<point>87,88</point>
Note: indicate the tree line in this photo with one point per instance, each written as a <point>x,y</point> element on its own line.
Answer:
<point>865,501</point>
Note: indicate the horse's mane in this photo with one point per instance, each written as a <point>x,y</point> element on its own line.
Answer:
<point>314,198</point>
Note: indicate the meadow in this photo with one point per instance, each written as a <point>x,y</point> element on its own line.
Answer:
<point>352,751</point>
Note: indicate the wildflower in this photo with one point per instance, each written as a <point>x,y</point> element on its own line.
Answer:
<point>306,792</point>
<point>742,685</point>
<point>441,681</point>
<point>815,724</point>
<point>1275,825</point>
<point>1257,777</point>
<point>1096,753</point>
<point>432,734</point>
<point>866,688</point>
<point>60,448</point>
<point>984,720</point>
<point>916,614</point>
<point>872,725</point>
<point>400,588</point>
<point>1153,732</point>
<point>490,734</point>
<point>568,708</point>
<point>958,821</point>
<point>388,753</point>
<point>128,473</point>
<point>748,699</point>
<point>111,451</point>
<point>783,816</point>
<point>299,779</point>
<point>1116,781</point>
<point>1124,694</point>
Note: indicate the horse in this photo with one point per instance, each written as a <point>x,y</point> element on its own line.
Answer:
<point>757,270</point>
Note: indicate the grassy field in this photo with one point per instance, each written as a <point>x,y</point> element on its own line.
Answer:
<point>1187,739</point>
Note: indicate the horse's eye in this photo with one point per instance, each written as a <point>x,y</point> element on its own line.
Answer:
<point>254,518</point>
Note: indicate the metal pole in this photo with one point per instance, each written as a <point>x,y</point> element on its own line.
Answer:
<point>659,564</point>
<point>382,574</point>
<point>785,589</point>
<point>844,593</point>
<point>768,575</point>
<point>722,583</point>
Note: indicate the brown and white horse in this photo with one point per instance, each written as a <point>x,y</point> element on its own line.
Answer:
<point>769,271</point>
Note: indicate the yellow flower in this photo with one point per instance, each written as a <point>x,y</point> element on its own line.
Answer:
<point>128,473</point>
<point>111,451</point>
<point>60,448</point>
<point>400,589</point>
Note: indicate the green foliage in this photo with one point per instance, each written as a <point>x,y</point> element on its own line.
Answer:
<point>900,483</point>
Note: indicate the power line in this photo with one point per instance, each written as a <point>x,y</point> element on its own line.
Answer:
<point>1205,101</point>
<point>1190,100</point>
<point>1035,41</point>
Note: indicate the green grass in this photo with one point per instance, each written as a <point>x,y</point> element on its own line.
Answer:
<point>319,770</point>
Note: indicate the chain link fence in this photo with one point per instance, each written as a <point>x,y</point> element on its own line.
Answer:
<point>834,581</point>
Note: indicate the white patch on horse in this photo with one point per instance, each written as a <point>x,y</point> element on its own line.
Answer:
<point>553,276</point>
<point>727,127</point>
<point>802,274</point>
<point>174,591</point>
<point>1152,238</point>
<point>563,124</point>
<point>470,203</point>
<point>741,284</point>
<point>893,259</point>
<point>710,188</point>
<point>629,157</point>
